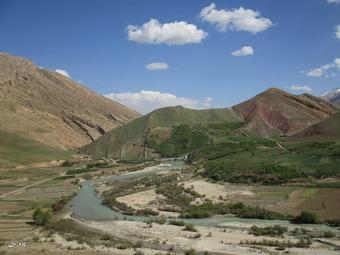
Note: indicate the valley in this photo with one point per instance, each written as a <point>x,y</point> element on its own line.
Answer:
<point>156,222</point>
<point>92,176</point>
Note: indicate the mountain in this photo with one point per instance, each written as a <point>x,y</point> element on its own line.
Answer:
<point>332,96</point>
<point>134,139</point>
<point>52,109</point>
<point>328,128</point>
<point>275,112</point>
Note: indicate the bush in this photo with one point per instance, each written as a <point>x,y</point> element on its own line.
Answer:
<point>57,206</point>
<point>67,163</point>
<point>334,223</point>
<point>328,234</point>
<point>302,243</point>
<point>42,217</point>
<point>189,227</point>
<point>160,220</point>
<point>190,252</point>
<point>307,218</point>
<point>177,223</point>
<point>276,230</point>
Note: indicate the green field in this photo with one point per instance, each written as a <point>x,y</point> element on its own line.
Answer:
<point>228,155</point>
<point>17,150</point>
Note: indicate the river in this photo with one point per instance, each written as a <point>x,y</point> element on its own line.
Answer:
<point>88,205</point>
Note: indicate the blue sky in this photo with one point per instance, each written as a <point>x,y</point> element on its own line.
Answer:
<point>104,45</point>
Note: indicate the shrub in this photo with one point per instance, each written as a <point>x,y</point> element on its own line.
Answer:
<point>177,223</point>
<point>334,223</point>
<point>146,211</point>
<point>190,252</point>
<point>67,163</point>
<point>57,206</point>
<point>42,217</point>
<point>302,243</point>
<point>308,218</point>
<point>189,227</point>
<point>328,234</point>
<point>276,230</point>
<point>160,220</point>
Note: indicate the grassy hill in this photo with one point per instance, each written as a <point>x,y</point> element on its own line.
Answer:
<point>140,137</point>
<point>326,129</point>
<point>17,150</point>
<point>249,160</point>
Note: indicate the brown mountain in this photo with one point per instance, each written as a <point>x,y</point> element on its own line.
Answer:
<point>51,108</point>
<point>275,112</point>
<point>328,128</point>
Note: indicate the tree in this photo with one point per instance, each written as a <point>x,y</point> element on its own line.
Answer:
<point>308,218</point>
<point>42,217</point>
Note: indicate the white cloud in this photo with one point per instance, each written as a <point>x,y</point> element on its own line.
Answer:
<point>244,51</point>
<point>235,19</point>
<point>337,31</point>
<point>333,1</point>
<point>157,66</point>
<point>317,72</point>
<point>146,101</point>
<point>63,72</point>
<point>207,102</point>
<point>298,87</point>
<point>175,33</point>
<point>324,70</point>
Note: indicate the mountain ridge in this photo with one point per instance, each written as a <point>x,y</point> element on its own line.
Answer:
<point>133,139</point>
<point>332,96</point>
<point>270,113</point>
<point>53,109</point>
<point>276,112</point>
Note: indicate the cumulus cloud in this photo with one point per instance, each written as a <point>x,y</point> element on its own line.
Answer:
<point>157,66</point>
<point>244,51</point>
<point>333,1</point>
<point>63,72</point>
<point>324,69</point>
<point>240,19</point>
<point>175,33</point>
<point>337,31</point>
<point>300,88</point>
<point>146,101</point>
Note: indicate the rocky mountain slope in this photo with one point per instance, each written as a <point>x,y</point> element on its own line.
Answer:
<point>275,112</point>
<point>51,108</point>
<point>133,139</point>
<point>332,96</point>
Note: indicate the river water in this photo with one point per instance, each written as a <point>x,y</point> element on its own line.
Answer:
<point>88,205</point>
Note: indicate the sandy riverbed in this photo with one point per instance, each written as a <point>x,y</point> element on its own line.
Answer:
<point>220,240</point>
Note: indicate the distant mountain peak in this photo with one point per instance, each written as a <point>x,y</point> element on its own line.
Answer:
<point>332,96</point>
<point>275,112</point>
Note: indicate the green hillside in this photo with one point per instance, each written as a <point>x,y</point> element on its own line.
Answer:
<point>259,160</point>
<point>324,130</point>
<point>139,138</point>
<point>17,150</point>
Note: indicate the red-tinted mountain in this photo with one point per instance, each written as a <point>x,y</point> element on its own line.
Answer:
<point>275,112</point>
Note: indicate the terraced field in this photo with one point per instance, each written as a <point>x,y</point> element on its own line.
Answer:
<point>22,190</point>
